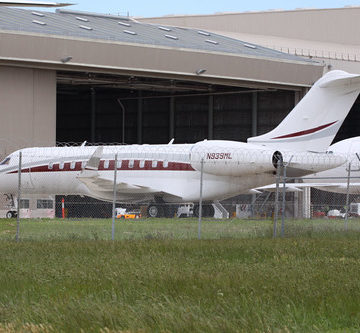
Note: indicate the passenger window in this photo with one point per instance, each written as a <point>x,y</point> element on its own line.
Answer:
<point>51,165</point>
<point>142,164</point>
<point>131,164</point>
<point>119,163</point>
<point>106,164</point>
<point>165,164</point>
<point>154,164</point>
<point>61,165</point>
<point>72,165</point>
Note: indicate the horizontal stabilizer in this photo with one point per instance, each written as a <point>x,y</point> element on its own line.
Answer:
<point>354,188</point>
<point>288,188</point>
<point>349,84</point>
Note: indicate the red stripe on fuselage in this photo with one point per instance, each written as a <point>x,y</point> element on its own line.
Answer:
<point>309,131</point>
<point>125,165</point>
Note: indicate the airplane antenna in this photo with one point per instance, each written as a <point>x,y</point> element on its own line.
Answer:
<point>171,141</point>
<point>83,144</point>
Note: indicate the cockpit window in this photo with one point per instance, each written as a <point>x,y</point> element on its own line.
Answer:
<point>6,161</point>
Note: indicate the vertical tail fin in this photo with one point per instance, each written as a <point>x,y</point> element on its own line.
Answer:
<point>315,120</point>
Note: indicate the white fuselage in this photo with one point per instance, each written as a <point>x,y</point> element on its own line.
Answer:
<point>145,172</point>
<point>350,148</point>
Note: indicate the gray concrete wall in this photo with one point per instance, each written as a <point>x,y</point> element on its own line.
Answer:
<point>327,35</point>
<point>38,51</point>
<point>27,109</point>
<point>336,25</point>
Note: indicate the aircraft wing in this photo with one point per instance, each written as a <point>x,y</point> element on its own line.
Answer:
<point>97,183</point>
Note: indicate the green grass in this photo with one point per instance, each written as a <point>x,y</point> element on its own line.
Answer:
<point>100,229</point>
<point>65,276</point>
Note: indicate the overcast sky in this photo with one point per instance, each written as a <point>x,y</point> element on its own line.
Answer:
<point>148,8</point>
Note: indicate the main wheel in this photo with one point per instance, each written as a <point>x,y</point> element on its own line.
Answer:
<point>208,211</point>
<point>9,215</point>
<point>169,211</point>
<point>196,210</point>
<point>155,211</point>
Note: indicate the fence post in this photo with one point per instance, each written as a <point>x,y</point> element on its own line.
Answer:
<point>200,199</point>
<point>18,199</point>
<point>283,206</point>
<point>276,208</point>
<point>347,198</point>
<point>114,199</point>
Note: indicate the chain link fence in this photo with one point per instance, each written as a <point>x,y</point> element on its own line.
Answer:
<point>175,192</point>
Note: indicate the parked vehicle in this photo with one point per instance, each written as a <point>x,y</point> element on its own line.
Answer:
<point>122,213</point>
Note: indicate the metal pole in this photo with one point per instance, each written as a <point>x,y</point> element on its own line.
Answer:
<point>276,208</point>
<point>347,198</point>
<point>114,199</point>
<point>139,118</point>
<point>211,117</point>
<point>18,199</point>
<point>93,115</point>
<point>123,125</point>
<point>283,202</point>
<point>172,118</point>
<point>200,201</point>
<point>123,120</point>
<point>254,113</point>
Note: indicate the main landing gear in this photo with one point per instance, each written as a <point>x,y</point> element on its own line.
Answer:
<point>207,210</point>
<point>161,210</point>
<point>158,209</point>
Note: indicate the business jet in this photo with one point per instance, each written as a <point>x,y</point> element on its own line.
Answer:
<point>158,174</point>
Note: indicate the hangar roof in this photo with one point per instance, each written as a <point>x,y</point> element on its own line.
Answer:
<point>123,29</point>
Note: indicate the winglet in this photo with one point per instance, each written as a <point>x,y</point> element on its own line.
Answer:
<point>94,161</point>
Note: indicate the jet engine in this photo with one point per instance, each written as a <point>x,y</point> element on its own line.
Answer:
<point>238,159</point>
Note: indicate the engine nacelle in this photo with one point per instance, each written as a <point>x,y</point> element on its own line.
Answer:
<point>230,158</point>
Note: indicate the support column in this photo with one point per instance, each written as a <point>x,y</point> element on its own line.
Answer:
<point>254,120</point>
<point>254,113</point>
<point>301,201</point>
<point>297,97</point>
<point>172,118</point>
<point>140,105</point>
<point>307,202</point>
<point>299,94</point>
<point>93,115</point>
<point>211,117</point>
<point>296,204</point>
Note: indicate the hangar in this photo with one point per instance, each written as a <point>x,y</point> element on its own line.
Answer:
<point>73,76</point>
<point>327,35</point>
